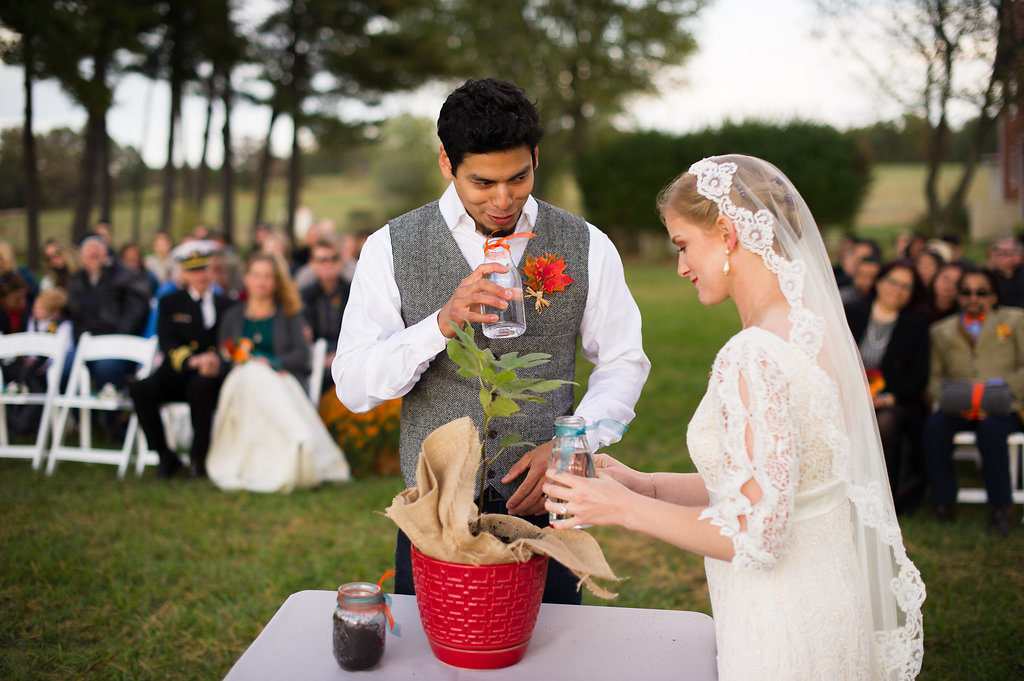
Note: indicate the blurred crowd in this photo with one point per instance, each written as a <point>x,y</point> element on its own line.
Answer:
<point>942,341</point>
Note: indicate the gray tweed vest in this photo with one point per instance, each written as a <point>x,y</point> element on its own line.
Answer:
<point>428,268</point>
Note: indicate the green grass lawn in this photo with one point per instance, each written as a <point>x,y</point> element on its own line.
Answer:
<point>146,579</point>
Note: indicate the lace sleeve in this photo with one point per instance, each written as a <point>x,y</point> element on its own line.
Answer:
<point>756,429</point>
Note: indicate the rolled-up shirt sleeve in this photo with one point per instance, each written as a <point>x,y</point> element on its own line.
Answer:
<point>378,357</point>
<point>611,340</point>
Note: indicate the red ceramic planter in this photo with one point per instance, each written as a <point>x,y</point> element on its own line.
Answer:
<point>478,616</point>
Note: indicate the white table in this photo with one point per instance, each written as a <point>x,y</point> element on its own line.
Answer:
<point>595,643</point>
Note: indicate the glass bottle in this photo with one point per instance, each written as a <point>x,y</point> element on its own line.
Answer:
<point>359,626</point>
<point>570,453</point>
<point>512,320</point>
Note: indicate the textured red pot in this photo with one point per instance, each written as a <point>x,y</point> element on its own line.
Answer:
<point>478,616</point>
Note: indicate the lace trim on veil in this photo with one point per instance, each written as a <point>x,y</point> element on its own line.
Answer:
<point>900,650</point>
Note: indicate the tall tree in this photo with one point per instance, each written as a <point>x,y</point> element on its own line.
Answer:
<point>30,22</point>
<point>582,61</point>
<point>320,52</point>
<point>965,53</point>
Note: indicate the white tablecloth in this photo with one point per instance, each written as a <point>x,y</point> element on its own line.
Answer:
<point>595,643</point>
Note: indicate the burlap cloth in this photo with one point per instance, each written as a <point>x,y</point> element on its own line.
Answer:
<point>438,513</point>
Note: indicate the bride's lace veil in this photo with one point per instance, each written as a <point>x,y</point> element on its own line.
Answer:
<point>773,221</point>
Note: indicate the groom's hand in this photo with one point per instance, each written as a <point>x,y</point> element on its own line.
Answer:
<point>527,500</point>
<point>473,292</point>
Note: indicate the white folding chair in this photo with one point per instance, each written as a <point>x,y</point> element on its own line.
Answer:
<point>316,375</point>
<point>30,344</point>
<point>79,396</point>
<point>965,448</point>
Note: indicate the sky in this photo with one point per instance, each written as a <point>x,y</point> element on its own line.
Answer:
<point>766,60</point>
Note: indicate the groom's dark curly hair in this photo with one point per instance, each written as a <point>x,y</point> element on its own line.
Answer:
<point>485,116</point>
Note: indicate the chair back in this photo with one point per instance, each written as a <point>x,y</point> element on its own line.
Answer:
<point>316,374</point>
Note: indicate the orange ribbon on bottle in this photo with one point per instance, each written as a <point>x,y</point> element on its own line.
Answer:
<point>975,413</point>
<point>384,606</point>
<point>494,243</point>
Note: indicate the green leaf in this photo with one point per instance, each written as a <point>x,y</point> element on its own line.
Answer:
<point>504,377</point>
<point>485,398</point>
<point>509,439</point>
<point>503,406</point>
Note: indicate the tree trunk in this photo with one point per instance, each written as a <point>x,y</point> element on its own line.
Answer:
<point>167,203</point>
<point>202,170</point>
<point>294,179</point>
<point>95,131</point>
<point>141,174</point>
<point>106,182</point>
<point>29,159</point>
<point>227,169</point>
<point>263,171</point>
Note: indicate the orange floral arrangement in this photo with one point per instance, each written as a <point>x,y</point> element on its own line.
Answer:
<point>238,350</point>
<point>876,382</point>
<point>369,440</point>
<point>1003,331</point>
<point>545,274</point>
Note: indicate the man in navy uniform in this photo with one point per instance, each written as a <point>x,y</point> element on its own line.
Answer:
<point>191,370</point>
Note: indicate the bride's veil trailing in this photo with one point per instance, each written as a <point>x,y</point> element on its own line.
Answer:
<point>773,221</point>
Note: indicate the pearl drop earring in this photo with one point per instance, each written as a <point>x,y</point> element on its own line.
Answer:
<point>725,267</point>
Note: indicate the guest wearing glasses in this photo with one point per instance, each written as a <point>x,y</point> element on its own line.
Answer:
<point>59,263</point>
<point>324,300</point>
<point>977,377</point>
<point>892,336</point>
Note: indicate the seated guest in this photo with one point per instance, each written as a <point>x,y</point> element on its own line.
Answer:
<point>977,377</point>
<point>8,263</point>
<point>1005,260</point>
<point>161,261</point>
<point>192,371</point>
<point>47,317</point>
<point>945,294</point>
<point>59,263</point>
<point>927,264</point>
<point>14,302</point>
<point>854,250</point>
<point>323,301</point>
<point>862,286</point>
<point>105,297</point>
<point>893,340</point>
<point>131,257</point>
<point>267,435</point>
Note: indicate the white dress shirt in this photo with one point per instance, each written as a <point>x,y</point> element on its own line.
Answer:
<point>205,301</point>
<point>379,358</point>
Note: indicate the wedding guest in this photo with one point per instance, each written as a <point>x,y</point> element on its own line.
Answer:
<point>191,371</point>
<point>131,257</point>
<point>892,336</point>
<point>424,271</point>
<point>47,317</point>
<point>267,435</point>
<point>857,250</point>
<point>927,264</point>
<point>8,263</point>
<point>945,291</point>
<point>59,263</point>
<point>982,348</point>
<point>862,285</point>
<point>806,566</point>
<point>323,301</point>
<point>105,297</point>
<point>160,262</point>
<point>1005,260</point>
<point>14,302</point>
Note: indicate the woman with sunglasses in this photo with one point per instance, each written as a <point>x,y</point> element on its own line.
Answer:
<point>977,377</point>
<point>892,336</point>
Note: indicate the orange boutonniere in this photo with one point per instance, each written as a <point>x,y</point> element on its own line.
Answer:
<point>238,350</point>
<point>545,274</point>
<point>876,382</point>
<point>1003,331</point>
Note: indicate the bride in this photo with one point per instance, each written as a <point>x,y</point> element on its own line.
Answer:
<point>267,435</point>
<point>792,487</point>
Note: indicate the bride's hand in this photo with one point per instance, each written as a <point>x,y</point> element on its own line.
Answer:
<point>590,501</point>
<point>623,474</point>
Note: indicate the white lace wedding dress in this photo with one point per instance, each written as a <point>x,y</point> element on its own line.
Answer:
<point>792,604</point>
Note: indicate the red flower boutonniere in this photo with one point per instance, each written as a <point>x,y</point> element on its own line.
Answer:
<point>1003,331</point>
<point>546,274</point>
<point>238,350</point>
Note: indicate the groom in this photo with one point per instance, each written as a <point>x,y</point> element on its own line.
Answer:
<point>425,270</point>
